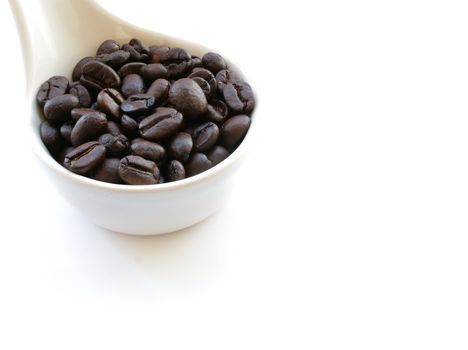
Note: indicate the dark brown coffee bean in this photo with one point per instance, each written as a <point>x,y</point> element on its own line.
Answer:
<point>156,53</point>
<point>196,164</point>
<point>180,146</point>
<point>205,136</point>
<point>239,97</point>
<point>109,101</point>
<point>116,145</point>
<point>114,59</point>
<point>213,62</point>
<point>188,98</point>
<point>108,171</point>
<point>160,90</point>
<point>60,158</point>
<point>132,84</point>
<point>97,76</point>
<point>57,109</point>
<point>135,170</point>
<point>138,104</point>
<point>78,70</point>
<point>148,150</point>
<point>77,113</point>
<point>130,68</point>
<point>226,76</point>
<point>113,128</point>
<point>196,61</point>
<point>233,130</point>
<point>164,123</point>
<point>55,86</point>
<point>216,112</point>
<point>153,71</point>
<point>138,51</point>
<point>175,171</point>
<point>217,154</point>
<point>82,94</point>
<point>203,84</point>
<point>107,46</point>
<point>85,157</point>
<point>65,131</point>
<point>129,126</point>
<point>51,137</point>
<point>88,128</point>
<point>177,61</point>
<point>206,75</point>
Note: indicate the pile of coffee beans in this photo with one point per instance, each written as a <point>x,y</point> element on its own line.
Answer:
<point>142,115</point>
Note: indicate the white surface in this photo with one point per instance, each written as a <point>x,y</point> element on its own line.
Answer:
<point>348,231</point>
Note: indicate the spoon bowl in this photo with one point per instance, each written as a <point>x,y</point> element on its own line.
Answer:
<point>54,35</point>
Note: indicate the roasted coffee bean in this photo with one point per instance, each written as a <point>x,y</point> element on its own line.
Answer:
<point>217,154</point>
<point>129,126</point>
<point>65,131</point>
<point>107,46</point>
<point>108,171</point>
<point>216,112</point>
<point>82,93</point>
<point>177,61</point>
<point>77,113</point>
<point>78,70</point>
<point>160,90</point>
<point>88,128</point>
<point>175,171</point>
<point>213,62</point>
<point>226,76</point>
<point>130,68</point>
<point>206,75</point>
<point>97,76</point>
<point>114,59</point>
<point>113,128</point>
<point>94,106</point>
<point>239,97</point>
<point>85,157</point>
<point>60,158</point>
<point>55,86</point>
<point>137,104</point>
<point>188,98</point>
<point>233,130</point>
<point>153,71</point>
<point>156,52</point>
<point>116,145</point>
<point>205,136</point>
<point>148,150</point>
<point>109,101</point>
<point>51,137</point>
<point>180,146</point>
<point>197,163</point>
<point>164,123</point>
<point>203,84</point>
<point>135,170</point>
<point>138,51</point>
<point>57,109</point>
<point>132,84</point>
<point>196,61</point>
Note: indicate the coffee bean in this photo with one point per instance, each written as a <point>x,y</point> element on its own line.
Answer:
<point>65,131</point>
<point>88,128</point>
<point>135,170</point>
<point>116,145</point>
<point>160,90</point>
<point>132,84</point>
<point>97,76</point>
<point>113,128</point>
<point>213,62</point>
<point>226,76</point>
<point>94,106</point>
<point>216,112</point>
<point>57,109</point>
<point>138,51</point>
<point>148,150</point>
<point>217,154</point>
<point>78,70</point>
<point>197,163</point>
<point>108,171</point>
<point>188,98</point>
<point>77,113</point>
<point>205,136</point>
<point>156,53</point>
<point>203,84</point>
<point>85,157</point>
<point>239,97</point>
<point>177,61</point>
<point>55,86</point>
<point>206,75</point>
<point>233,130</point>
<point>180,146</point>
<point>82,94</point>
<point>137,104</point>
<point>107,46</point>
<point>109,101</point>
<point>164,123</point>
<point>50,136</point>
<point>196,61</point>
<point>129,126</point>
<point>114,59</point>
<point>153,71</point>
<point>60,158</point>
<point>130,68</point>
<point>175,171</point>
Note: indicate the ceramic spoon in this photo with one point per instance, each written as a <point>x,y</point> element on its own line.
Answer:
<point>54,35</point>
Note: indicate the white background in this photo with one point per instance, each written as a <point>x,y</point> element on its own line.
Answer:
<point>347,227</point>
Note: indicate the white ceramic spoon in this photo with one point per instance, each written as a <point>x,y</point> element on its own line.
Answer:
<point>54,35</point>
